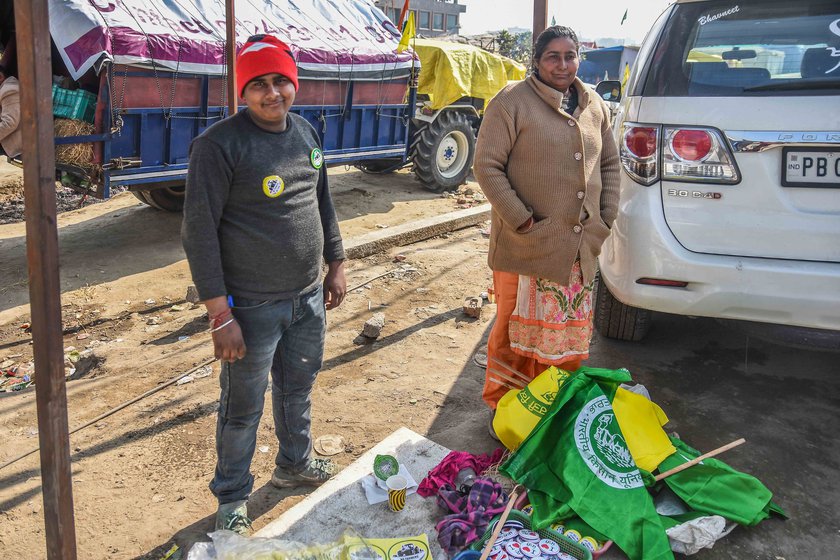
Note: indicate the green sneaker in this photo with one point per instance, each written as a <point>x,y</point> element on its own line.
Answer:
<point>233,516</point>
<point>317,472</point>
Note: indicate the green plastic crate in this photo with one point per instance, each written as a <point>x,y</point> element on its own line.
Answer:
<point>75,104</point>
<point>566,545</point>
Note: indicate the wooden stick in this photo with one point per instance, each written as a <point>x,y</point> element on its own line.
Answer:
<point>517,383</point>
<point>366,282</point>
<point>503,384</point>
<point>513,496</point>
<point>693,462</point>
<point>518,374</point>
<point>32,21</point>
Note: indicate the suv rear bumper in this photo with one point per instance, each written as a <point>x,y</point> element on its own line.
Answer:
<point>777,291</point>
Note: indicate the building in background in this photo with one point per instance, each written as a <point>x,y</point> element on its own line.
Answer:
<point>433,18</point>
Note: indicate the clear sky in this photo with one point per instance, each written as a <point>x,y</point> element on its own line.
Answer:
<point>590,18</point>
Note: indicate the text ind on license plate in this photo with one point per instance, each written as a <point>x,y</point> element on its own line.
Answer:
<point>811,168</point>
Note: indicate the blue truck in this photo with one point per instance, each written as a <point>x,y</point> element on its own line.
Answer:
<point>151,91</point>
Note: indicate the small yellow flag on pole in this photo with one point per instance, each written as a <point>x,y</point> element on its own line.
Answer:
<point>407,34</point>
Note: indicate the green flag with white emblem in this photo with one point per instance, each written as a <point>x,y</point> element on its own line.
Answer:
<point>715,488</point>
<point>576,462</point>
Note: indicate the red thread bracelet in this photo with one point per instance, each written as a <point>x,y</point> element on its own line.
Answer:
<point>219,318</point>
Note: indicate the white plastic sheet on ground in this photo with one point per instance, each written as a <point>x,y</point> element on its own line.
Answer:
<point>692,536</point>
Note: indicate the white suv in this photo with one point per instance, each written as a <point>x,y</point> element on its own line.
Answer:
<point>729,137</point>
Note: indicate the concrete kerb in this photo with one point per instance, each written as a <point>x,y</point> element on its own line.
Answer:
<point>412,232</point>
<point>406,234</point>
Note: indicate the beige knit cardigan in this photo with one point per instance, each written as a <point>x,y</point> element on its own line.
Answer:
<point>10,135</point>
<point>533,159</point>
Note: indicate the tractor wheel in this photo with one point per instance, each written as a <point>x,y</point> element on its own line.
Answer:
<point>443,152</point>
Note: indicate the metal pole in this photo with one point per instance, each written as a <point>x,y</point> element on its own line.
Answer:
<point>540,17</point>
<point>33,42</point>
<point>230,54</point>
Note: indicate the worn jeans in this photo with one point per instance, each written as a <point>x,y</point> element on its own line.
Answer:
<point>284,337</point>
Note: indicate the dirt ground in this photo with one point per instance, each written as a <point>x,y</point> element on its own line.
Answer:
<point>11,195</point>
<point>140,476</point>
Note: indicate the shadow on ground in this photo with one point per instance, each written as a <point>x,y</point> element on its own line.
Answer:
<point>135,239</point>
<point>717,384</point>
<point>116,442</point>
<point>113,245</point>
<point>261,501</point>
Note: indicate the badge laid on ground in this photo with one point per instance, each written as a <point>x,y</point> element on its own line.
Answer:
<point>316,157</point>
<point>273,186</point>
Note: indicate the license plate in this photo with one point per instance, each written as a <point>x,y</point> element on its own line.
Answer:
<point>817,167</point>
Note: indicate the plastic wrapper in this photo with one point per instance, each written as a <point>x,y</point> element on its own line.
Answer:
<point>227,545</point>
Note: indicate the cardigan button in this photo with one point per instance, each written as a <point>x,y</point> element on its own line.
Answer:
<point>577,229</point>
<point>580,195</point>
<point>578,155</point>
<point>571,123</point>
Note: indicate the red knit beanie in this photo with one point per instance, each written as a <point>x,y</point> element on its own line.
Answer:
<point>264,54</point>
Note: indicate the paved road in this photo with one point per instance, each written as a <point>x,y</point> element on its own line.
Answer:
<point>717,384</point>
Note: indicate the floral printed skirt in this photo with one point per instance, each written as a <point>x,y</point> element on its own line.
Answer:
<point>552,323</point>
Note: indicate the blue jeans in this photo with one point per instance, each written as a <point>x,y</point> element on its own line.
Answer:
<point>284,337</point>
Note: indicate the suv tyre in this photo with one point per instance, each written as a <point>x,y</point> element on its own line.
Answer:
<point>617,320</point>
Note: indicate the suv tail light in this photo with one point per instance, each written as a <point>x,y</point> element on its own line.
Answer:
<point>691,145</point>
<point>639,152</point>
<point>697,154</point>
<point>694,154</point>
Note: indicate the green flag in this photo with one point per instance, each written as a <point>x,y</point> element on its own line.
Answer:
<point>714,488</point>
<point>576,461</point>
<point>623,17</point>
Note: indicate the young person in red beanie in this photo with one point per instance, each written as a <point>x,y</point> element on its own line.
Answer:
<point>258,224</point>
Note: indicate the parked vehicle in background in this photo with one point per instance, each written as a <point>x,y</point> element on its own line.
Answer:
<point>729,139</point>
<point>141,79</point>
<point>455,83</point>
<point>607,63</point>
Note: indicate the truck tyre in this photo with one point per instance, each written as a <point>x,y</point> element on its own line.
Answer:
<point>170,199</point>
<point>443,152</point>
<point>617,320</point>
<point>141,196</point>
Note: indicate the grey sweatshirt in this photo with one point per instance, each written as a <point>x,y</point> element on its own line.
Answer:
<point>258,215</point>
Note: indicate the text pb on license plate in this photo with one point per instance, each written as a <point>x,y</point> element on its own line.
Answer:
<point>815,167</point>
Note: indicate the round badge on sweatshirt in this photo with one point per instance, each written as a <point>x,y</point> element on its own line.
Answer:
<point>273,186</point>
<point>316,157</point>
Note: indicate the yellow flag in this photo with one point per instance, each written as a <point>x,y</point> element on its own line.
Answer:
<point>641,424</point>
<point>626,77</point>
<point>408,33</point>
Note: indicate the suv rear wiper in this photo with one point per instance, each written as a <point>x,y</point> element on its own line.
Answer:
<point>805,83</point>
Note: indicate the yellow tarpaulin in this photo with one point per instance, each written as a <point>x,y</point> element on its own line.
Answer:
<point>451,71</point>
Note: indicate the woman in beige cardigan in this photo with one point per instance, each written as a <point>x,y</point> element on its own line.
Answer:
<point>548,164</point>
<point>10,138</point>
